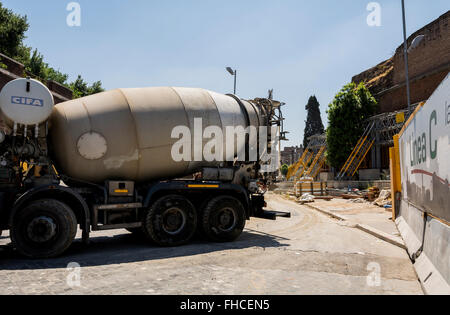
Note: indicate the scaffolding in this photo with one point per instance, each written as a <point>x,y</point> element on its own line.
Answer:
<point>317,164</point>
<point>359,153</point>
<point>301,164</point>
<point>380,131</point>
<point>315,152</point>
<point>387,125</point>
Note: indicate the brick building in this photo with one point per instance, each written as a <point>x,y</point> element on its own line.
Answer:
<point>15,70</point>
<point>429,64</point>
<point>291,155</point>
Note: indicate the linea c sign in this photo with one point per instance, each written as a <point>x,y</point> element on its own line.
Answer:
<point>424,155</point>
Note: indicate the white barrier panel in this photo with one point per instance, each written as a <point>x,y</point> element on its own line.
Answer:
<point>425,156</point>
<point>425,169</point>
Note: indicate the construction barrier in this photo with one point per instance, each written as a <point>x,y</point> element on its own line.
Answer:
<point>420,170</point>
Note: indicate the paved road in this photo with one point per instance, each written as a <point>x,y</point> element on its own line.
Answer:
<point>307,254</point>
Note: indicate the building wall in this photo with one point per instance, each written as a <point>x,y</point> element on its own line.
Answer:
<point>421,89</point>
<point>429,64</point>
<point>291,155</point>
<point>432,53</point>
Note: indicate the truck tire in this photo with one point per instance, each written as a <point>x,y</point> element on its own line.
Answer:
<point>200,234</point>
<point>171,221</point>
<point>43,229</point>
<point>223,219</point>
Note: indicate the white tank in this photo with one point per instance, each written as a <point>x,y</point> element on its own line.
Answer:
<point>25,102</point>
<point>126,134</point>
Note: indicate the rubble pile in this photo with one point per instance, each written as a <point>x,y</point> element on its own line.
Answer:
<point>384,199</point>
<point>306,198</point>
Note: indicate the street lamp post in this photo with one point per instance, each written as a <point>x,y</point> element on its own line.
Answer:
<point>233,73</point>
<point>405,51</point>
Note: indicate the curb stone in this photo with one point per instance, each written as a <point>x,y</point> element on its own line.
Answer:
<point>365,228</point>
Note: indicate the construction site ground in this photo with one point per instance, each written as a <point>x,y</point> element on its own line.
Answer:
<point>361,212</point>
<point>310,253</point>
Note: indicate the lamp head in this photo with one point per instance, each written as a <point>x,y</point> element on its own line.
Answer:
<point>416,42</point>
<point>230,71</point>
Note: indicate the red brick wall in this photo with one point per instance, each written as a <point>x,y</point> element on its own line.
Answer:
<point>395,98</point>
<point>12,65</point>
<point>60,92</point>
<point>429,64</point>
<point>432,53</point>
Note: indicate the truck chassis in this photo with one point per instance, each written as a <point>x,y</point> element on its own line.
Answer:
<point>43,221</point>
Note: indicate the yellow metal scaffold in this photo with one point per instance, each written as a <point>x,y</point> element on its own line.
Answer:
<point>358,155</point>
<point>301,165</point>
<point>316,152</point>
<point>317,164</point>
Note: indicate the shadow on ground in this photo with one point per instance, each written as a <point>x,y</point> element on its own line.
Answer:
<point>126,248</point>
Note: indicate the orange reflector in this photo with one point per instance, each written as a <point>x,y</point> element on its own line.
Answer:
<point>203,186</point>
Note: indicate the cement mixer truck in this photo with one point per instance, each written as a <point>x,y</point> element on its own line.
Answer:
<point>130,159</point>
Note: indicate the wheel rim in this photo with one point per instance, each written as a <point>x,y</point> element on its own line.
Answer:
<point>173,221</point>
<point>41,229</point>
<point>226,219</point>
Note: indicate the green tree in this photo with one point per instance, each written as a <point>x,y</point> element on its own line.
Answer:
<point>57,76</point>
<point>95,88</point>
<point>23,54</point>
<point>314,123</point>
<point>284,169</point>
<point>12,31</point>
<point>351,107</point>
<point>81,88</point>
<point>36,65</point>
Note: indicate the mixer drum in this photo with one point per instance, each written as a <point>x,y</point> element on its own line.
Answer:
<point>126,134</point>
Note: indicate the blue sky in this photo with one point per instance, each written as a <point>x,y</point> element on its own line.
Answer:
<point>298,48</point>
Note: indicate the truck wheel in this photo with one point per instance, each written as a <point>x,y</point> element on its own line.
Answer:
<point>171,221</point>
<point>200,210</point>
<point>223,219</point>
<point>43,229</point>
